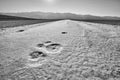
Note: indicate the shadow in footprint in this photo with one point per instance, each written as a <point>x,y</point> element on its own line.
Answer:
<point>64,32</point>
<point>20,30</point>
<point>53,47</point>
<point>37,54</point>
<point>36,58</point>
<point>40,45</point>
<point>48,42</point>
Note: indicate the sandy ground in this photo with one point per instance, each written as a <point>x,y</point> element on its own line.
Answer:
<point>84,43</point>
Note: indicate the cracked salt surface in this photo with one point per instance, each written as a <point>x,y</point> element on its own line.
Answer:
<point>88,51</point>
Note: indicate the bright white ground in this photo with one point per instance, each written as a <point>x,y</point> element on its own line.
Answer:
<point>14,45</point>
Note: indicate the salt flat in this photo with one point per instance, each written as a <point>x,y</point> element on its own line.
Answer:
<point>82,50</point>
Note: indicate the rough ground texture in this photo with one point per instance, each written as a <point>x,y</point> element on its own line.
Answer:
<point>87,51</point>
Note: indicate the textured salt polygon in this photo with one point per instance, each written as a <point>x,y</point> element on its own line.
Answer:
<point>89,52</point>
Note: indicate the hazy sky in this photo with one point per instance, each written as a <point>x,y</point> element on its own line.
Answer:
<point>94,7</point>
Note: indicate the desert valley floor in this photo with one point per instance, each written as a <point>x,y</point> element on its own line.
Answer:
<point>61,50</point>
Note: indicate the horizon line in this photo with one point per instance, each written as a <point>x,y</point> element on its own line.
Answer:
<point>60,13</point>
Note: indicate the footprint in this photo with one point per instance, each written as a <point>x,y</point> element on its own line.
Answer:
<point>48,42</point>
<point>37,54</point>
<point>50,47</point>
<point>40,45</point>
<point>20,30</point>
<point>36,59</point>
<point>53,48</point>
<point>64,32</point>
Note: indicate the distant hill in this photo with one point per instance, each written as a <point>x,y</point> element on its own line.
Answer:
<point>11,17</point>
<point>49,15</point>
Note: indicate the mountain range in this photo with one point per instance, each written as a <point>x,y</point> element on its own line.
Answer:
<point>50,15</point>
